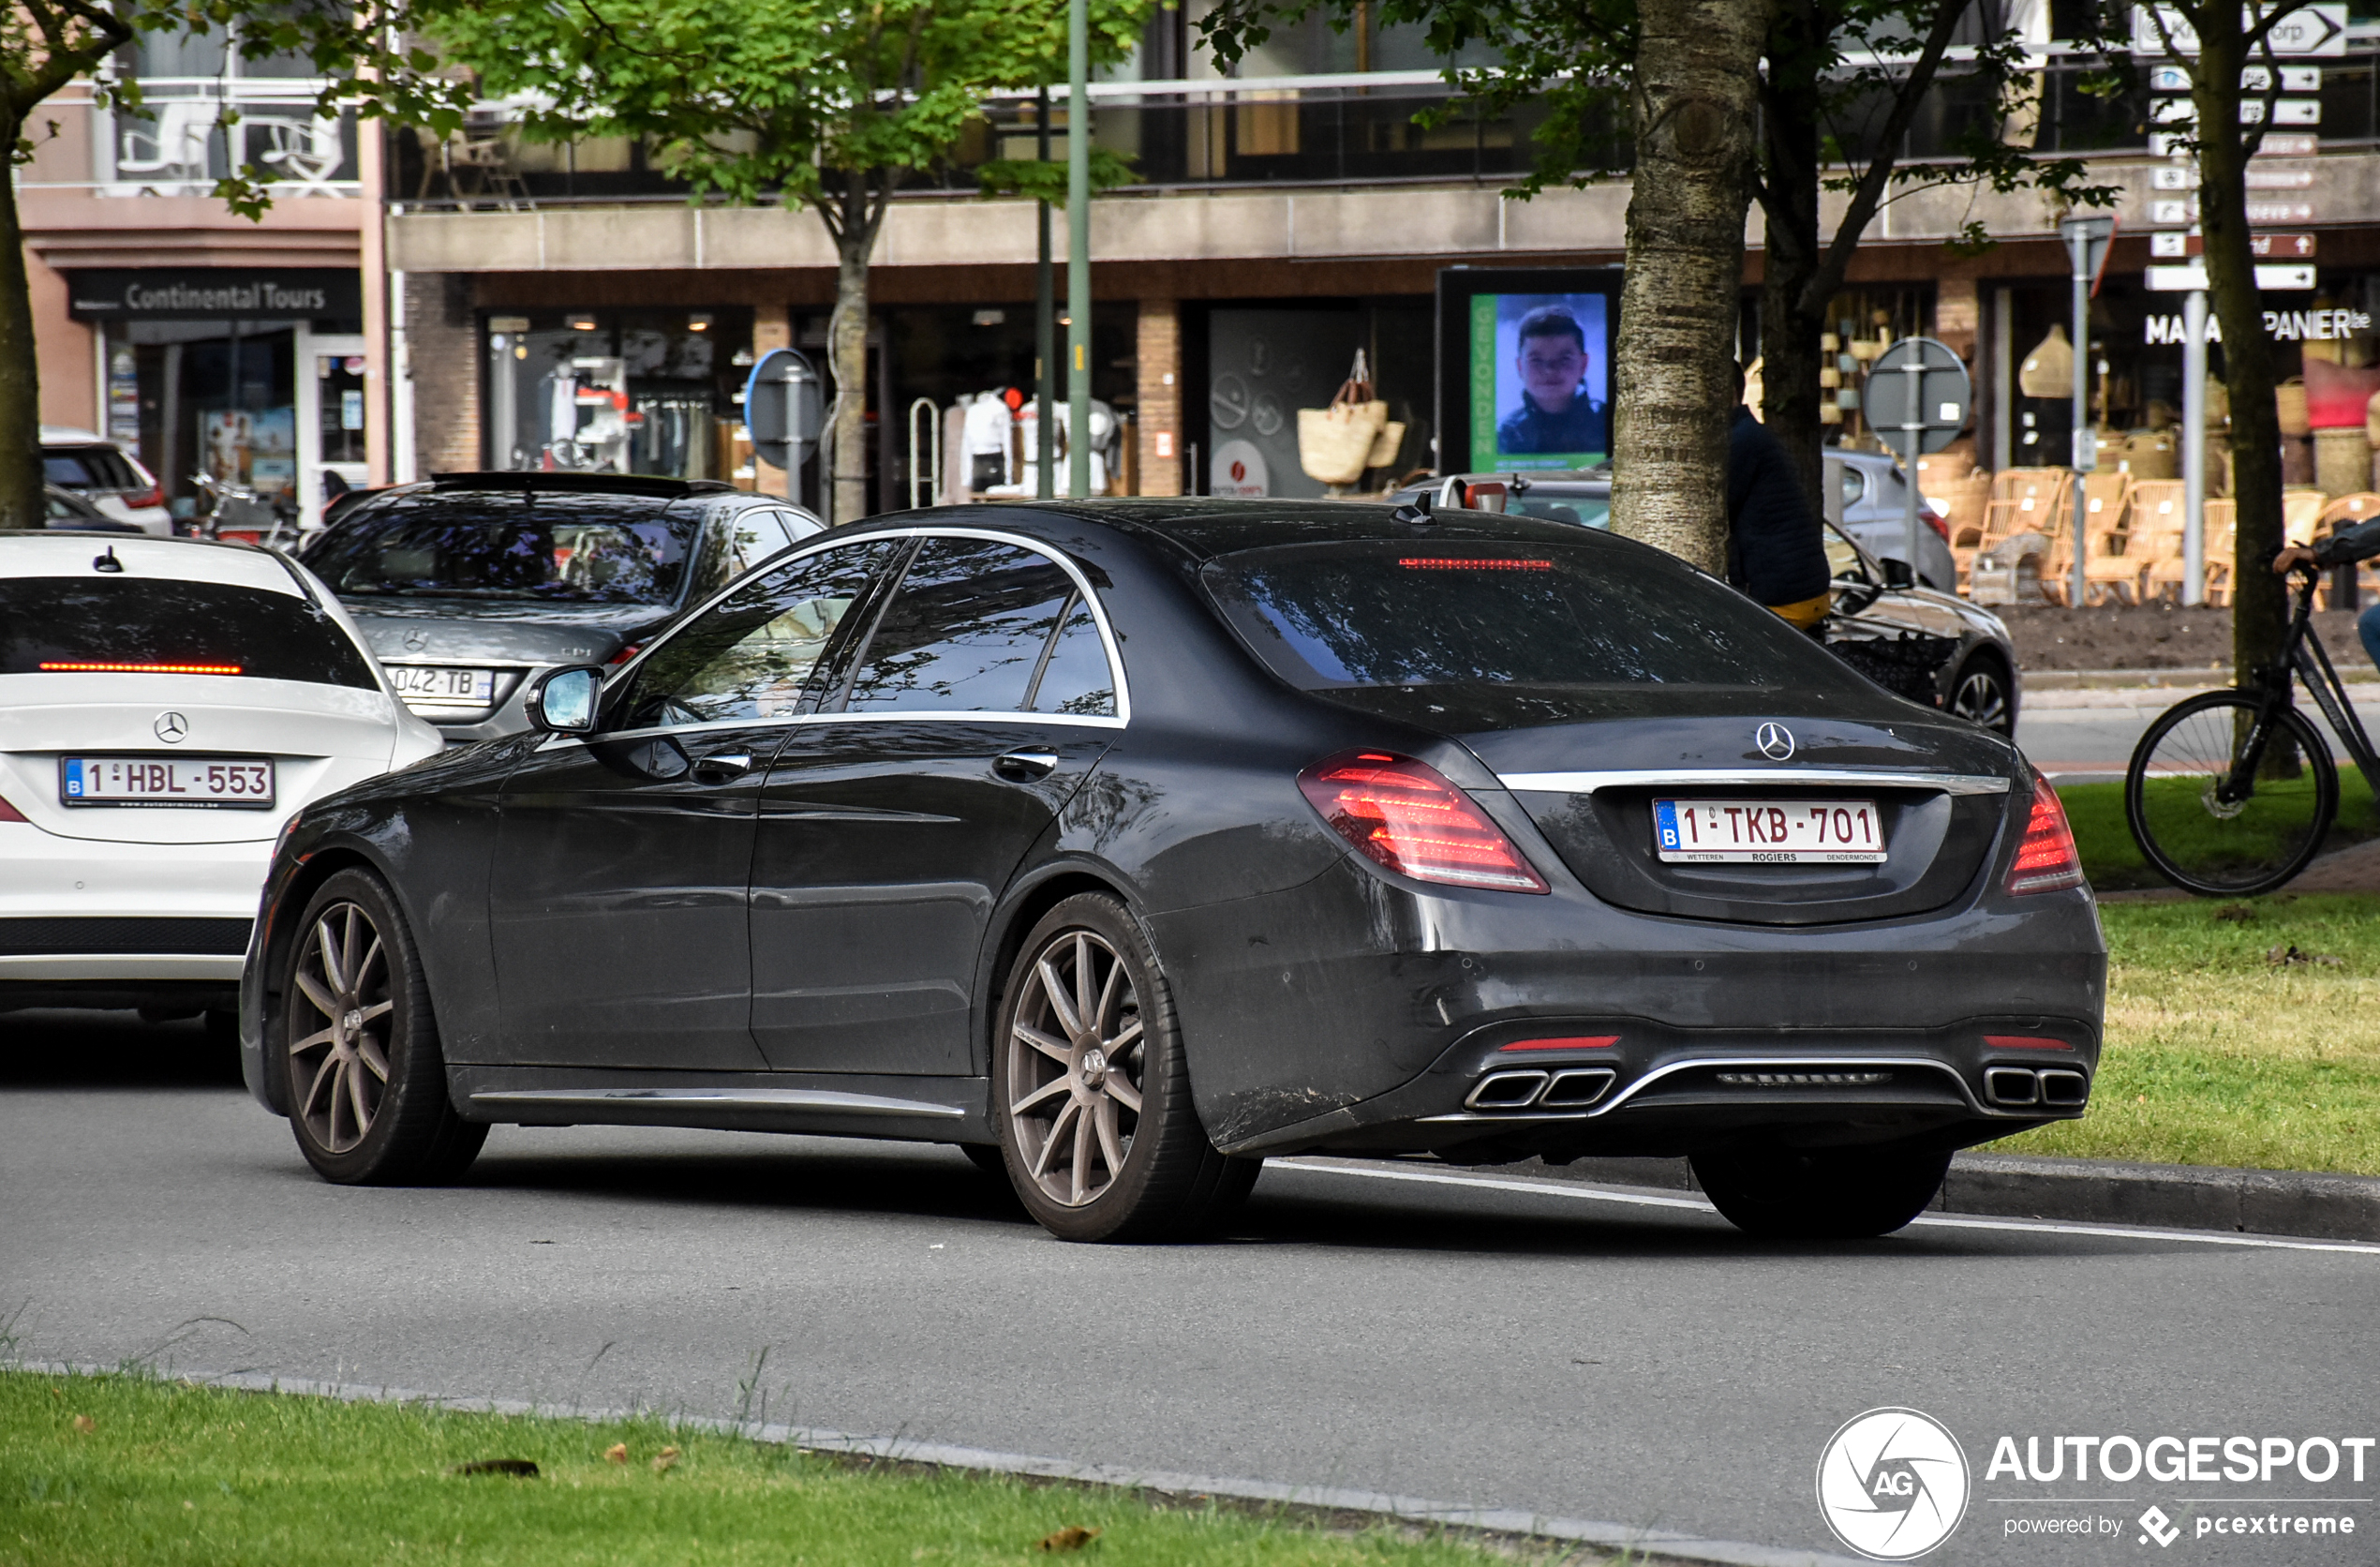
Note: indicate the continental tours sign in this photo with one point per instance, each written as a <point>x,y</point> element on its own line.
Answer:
<point>214,293</point>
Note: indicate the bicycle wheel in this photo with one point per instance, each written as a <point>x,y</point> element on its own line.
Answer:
<point>2200,841</point>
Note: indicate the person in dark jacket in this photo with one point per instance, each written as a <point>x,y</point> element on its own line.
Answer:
<point>1775,547</point>
<point>2348,545</point>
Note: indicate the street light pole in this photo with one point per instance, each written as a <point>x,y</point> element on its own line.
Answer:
<point>1077,248</point>
<point>2087,241</point>
<point>1045,336</point>
<point>2193,447</point>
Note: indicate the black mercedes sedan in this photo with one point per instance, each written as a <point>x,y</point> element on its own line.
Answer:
<point>1127,843</point>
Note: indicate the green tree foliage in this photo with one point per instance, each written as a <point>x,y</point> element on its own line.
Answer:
<point>46,44</point>
<point>813,103</point>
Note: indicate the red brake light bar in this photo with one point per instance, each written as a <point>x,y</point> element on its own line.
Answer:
<point>2025,1041</point>
<point>1472,563</point>
<point>9,812</point>
<point>1576,1041</point>
<point>1405,814</point>
<point>59,667</point>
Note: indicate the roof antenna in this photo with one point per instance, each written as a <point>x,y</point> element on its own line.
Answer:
<point>1415,511</point>
<point>106,562</point>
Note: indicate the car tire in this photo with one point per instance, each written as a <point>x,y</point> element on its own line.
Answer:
<point>365,1081</point>
<point>1820,1194</point>
<point>1983,693</point>
<point>1092,1087</point>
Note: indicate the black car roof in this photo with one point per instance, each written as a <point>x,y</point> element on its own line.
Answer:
<point>647,484</point>
<point>1205,530</point>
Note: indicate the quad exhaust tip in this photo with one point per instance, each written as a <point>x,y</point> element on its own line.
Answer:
<point>2056,1086</point>
<point>1576,1089</point>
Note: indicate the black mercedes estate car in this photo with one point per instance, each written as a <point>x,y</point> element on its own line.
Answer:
<point>1127,843</point>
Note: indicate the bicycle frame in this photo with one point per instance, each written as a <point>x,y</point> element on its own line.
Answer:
<point>2304,657</point>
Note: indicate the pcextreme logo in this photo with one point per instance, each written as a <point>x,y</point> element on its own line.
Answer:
<point>1892,1484</point>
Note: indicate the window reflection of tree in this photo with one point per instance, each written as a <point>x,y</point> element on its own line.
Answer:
<point>751,655</point>
<point>966,631</point>
<point>1364,620</point>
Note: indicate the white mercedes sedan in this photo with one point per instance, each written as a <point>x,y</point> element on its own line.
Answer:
<point>165,705</point>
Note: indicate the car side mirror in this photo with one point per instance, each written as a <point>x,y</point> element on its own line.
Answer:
<point>563,700</point>
<point>1897,574</point>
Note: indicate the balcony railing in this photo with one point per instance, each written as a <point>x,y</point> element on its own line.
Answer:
<point>192,131</point>
<point>1337,130</point>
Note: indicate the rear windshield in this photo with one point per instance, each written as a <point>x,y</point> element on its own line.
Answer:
<point>1391,614</point>
<point>85,468</point>
<point>1579,511</point>
<point>561,549</point>
<point>96,624</point>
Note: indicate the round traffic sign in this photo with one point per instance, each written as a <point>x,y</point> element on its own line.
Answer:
<point>1918,397</point>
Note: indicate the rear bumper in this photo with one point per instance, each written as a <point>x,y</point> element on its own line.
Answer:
<point>173,912</point>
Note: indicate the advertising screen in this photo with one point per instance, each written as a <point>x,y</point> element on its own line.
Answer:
<point>1541,387</point>
<point>1525,368</point>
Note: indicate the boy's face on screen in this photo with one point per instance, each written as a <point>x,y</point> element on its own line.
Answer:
<point>1551,368</point>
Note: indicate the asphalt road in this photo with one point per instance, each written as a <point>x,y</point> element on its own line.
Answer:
<point>2077,743</point>
<point>1542,1347</point>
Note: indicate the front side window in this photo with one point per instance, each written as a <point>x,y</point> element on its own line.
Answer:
<point>94,624</point>
<point>503,545</point>
<point>968,631</point>
<point>751,655</point>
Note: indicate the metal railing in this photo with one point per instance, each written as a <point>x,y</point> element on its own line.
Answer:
<point>192,131</point>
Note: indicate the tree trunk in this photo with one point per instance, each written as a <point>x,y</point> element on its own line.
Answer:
<point>2259,599</point>
<point>19,368</point>
<point>846,436</point>
<point>1696,85</point>
<point>1790,320</point>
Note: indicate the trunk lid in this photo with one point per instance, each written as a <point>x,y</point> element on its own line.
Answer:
<point>497,631</point>
<point>1587,764</point>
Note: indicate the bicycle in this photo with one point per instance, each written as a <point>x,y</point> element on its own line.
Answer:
<point>2230,792</point>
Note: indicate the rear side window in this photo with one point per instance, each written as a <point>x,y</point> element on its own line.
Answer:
<point>1390,614</point>
<point>101,468</point>
<point>1075,679</point>
<point>133,625</point>
<point>1579,511</point>
<point>965,633</point>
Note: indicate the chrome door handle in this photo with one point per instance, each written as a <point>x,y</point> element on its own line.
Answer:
<point>1025,766</point>
<point>720,767</point>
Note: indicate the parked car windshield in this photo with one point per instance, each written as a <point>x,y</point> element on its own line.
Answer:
<point>1381,613</point>
<point>68,625</point>
<point>511,544</point>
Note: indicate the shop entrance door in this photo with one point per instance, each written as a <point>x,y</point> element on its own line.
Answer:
<point>330,418</point>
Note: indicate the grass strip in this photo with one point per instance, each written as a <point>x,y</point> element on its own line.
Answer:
<point>134,1468</point>
<point>2216,1055</point>
<point>2113,861</point>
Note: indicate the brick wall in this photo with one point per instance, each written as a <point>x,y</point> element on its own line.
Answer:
<point>443,354</point>
<point>1160,392</point>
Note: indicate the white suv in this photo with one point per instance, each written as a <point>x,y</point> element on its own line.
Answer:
<point>107,475</point>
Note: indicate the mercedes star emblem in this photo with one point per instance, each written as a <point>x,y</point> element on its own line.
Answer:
<point>172,728</point>
<point>1775,740</point>
<point>415,641</point>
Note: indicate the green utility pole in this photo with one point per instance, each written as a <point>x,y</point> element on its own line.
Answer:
<point>1044,336</point>
<point>1077,248</point>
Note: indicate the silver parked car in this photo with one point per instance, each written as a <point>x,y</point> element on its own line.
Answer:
<point>472,585</point>
<point>1921,643</point>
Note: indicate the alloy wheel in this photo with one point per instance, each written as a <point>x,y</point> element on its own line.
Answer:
<point>1076,1055</point>
<point>341,1019</point>
<point>1981,699</point>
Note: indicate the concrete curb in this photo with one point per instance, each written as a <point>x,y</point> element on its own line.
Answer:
<point>2287,1202</point>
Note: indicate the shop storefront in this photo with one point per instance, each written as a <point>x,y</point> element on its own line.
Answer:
<point>613,391</point>
<point>251,376</point>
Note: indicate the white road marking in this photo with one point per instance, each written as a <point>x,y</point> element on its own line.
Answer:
<point>1585,1192</point>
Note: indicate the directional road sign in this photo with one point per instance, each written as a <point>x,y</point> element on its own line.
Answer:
<point>2315,29</point>
<point>782,409</point>
<point>2188,276</point>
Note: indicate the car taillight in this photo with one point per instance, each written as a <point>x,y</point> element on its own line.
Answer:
<point>1405,814</point>
<point>1936,521</point>
<point>628,651</point>
<point>2046,860</point>
<point>9,812</point>
<point>152,496</point>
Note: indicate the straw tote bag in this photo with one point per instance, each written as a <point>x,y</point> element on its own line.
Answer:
<point>1335,444</point>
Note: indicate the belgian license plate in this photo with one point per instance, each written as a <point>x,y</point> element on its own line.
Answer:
<point>425,685</point>
<point>216,783</point>
<point>1769,831</point>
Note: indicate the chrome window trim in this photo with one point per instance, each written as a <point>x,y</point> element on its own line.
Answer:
<point>1874,777</point>
<point>819,544</point>
<point>798,721</point>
